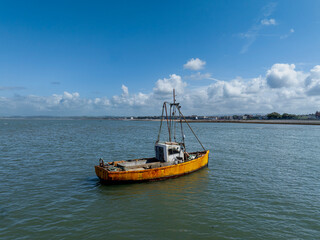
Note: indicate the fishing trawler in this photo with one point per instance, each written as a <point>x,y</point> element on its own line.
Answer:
<point>171,157</point>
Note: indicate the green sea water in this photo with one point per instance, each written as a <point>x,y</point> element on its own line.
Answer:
<point>263,182</point>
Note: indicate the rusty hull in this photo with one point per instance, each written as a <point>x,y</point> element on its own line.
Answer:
<point>154,174</point>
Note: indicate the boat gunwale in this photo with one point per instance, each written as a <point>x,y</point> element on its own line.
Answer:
<point>164,167</point>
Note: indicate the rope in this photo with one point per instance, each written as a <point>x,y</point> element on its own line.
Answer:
<point>182,132</point>
<point>192,130</point>
<point>167,122</point>
<point>160,123</point>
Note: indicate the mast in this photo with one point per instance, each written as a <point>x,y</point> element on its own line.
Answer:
<point>174,108</point>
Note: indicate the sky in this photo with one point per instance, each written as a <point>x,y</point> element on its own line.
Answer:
<point>123,58</point>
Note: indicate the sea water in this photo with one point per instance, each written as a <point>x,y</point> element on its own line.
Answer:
<point>263,182</point>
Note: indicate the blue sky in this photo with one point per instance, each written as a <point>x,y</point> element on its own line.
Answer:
<point>124,57</point>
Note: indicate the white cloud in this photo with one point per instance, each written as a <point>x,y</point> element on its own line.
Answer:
<point>255,85</point>
<point>129,100</point>
<point>313,82</point>
<point>284,75</point>
<point>194,64</point>
<point>236,88</point>
<point>199,76</point>
<point>65,104</point>
<point>281,89</point>
<point>268,22</point>
<point>291,31</point>
<point>102,102</point>
<point>166,85</point>
<point>135,100</point>
<point>254,31</point>
<point>125,91</point>
<point>70,96</point>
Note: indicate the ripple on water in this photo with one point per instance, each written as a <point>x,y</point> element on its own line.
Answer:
<point>263,182</point>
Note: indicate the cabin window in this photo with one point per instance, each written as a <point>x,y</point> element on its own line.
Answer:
<point>173,151</point>
<point>159,153</point>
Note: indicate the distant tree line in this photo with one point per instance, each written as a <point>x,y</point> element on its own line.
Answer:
<point>275,115</point>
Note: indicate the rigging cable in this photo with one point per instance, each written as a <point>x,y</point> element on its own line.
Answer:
<point>160,123</point>
<point>167,122</point>
<point>192,130</point>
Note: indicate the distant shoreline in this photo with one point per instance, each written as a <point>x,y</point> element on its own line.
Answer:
<point>288,122</point>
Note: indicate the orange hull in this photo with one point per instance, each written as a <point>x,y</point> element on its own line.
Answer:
<point>154,174</point>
